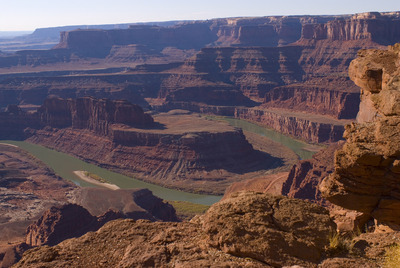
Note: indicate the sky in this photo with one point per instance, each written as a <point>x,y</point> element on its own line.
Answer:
<point>26,15</point>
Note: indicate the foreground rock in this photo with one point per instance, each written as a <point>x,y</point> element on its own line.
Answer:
<point>367,168</point>
<point>72,220</point>
<point>247,230</point>
<point>271,229</point>
<point>63,222</point>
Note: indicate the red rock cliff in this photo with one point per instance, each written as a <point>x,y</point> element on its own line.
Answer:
<point>367,167</point>
<point>93,114</point>
<point>374,26</point>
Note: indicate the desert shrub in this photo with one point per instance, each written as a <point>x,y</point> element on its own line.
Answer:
<point>392,257</point>
<point>340,243</point>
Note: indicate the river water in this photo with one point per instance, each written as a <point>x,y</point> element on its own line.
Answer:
<point>64,165</point>
<point>302,149</point>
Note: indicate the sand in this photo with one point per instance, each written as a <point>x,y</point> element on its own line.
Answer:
<point>81,174</point>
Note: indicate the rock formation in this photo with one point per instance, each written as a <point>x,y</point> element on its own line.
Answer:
<point>175,149</point>
<point>67,221</point>
<point>367,167</point>
<point>237,228</point>
<point>296,63</point>
<point>132,203</point>
<point>180,150</point>
<point>304,177</point>
<point>72,220</point>
<point>273,237</point>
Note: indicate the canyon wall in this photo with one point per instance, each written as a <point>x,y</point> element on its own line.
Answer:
<point>177,150</point>
<point>296,63</point>
<point>313,130</point>
<point>370,25</point>
<point>323,100</point>
<point>93,114</point>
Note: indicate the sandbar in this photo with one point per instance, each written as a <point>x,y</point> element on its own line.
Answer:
<point>81,174</point>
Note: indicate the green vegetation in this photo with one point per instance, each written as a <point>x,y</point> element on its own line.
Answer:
<point>95,177</point>
<point>392,256</point>
<point>341,243</point>
<point>186,210</point>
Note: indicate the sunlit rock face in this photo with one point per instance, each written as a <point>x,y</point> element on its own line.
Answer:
<point>367,168</point>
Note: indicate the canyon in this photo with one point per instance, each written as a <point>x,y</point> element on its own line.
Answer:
<point>33,196</point>
<point>283,68</point>
<point>175,149</point>
<point>287,73</point>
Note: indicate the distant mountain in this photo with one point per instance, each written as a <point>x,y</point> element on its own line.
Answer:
<point>13,34</point>
<point>46,38</point>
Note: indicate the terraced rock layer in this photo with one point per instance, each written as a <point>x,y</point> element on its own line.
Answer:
<point>183,151</point>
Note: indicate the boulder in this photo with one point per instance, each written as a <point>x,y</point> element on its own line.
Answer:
<point>275,230</point>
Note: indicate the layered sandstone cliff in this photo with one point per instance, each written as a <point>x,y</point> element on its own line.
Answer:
<point>93,114</point>
<point>366,169</point>
<point>178,149</point>
<point>304,178</point>
<point>183,151</point>
<point>296,63</point>
<point>302,125</point>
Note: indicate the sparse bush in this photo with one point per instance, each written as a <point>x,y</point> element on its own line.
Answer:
<point>392,257</point>
<point>340,243</point>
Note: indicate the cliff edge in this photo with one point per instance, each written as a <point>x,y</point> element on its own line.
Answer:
<point>367,168</point>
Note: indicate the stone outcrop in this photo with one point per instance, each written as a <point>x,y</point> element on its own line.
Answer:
<point>325,101</point>
<point>366,168</point>
<point>60,223</point>
<point>360,26</point>
<point>304,177</point>
<point>132,203</point>
<point>96,115</point>
<point>13,121</point>
<point>72,220</point>
<point>296,229</point>
<point>247,230</point>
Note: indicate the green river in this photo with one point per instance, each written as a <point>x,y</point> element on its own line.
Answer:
<point>302,149</point>
<point>64,165</point>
